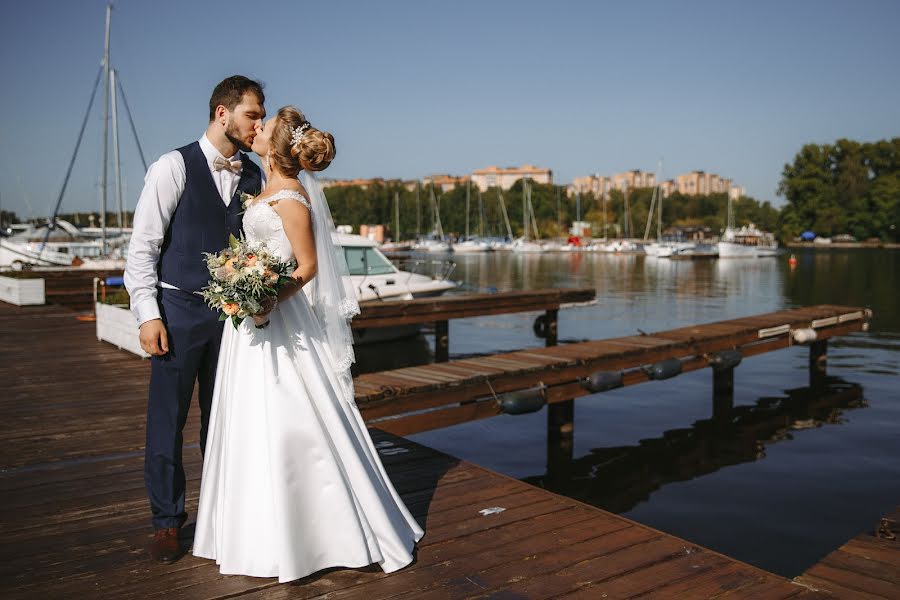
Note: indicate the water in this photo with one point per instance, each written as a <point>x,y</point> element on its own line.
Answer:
<point>793,478</point>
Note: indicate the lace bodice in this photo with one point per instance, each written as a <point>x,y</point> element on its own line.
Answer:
<point>262,223</point>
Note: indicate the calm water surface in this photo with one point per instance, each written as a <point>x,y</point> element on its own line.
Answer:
<point>791,478</point>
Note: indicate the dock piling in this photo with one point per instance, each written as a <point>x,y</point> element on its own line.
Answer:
<point>441,341</point>
<point>818,363</point>
<point>560,415</point>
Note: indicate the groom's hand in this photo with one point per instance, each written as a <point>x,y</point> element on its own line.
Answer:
<point>154,339</point>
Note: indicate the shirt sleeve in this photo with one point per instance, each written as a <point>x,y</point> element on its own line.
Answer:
<point>163,187</point>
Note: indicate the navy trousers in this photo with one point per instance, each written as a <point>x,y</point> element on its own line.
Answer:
<point>194,336</point>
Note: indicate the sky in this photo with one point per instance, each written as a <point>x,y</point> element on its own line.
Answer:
<point>413,88</point>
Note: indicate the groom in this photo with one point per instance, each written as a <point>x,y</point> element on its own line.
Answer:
<point>189,205</point>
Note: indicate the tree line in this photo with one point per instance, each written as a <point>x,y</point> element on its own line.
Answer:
<point>846,187</point>
<point>554,211</point>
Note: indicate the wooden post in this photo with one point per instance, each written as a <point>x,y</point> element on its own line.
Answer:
<point>551,317</point>
<point>560,418</point>
<point>723,394</point>
<point>441,341</point>
<point>818,363</point>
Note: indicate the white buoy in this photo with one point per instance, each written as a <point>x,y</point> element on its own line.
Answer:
<point>804,336</point>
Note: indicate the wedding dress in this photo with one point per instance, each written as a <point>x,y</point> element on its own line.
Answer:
<point>292,483</point>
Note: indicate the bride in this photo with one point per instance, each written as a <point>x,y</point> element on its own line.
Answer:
<point>292,483</point>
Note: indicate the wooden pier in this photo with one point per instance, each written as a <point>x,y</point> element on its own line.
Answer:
<point>440,310</point>
<point>868,566</point>
<point>475,388</point>
<point>75,518</point>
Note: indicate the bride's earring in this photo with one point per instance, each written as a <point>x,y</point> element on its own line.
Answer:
<point>266,162</point>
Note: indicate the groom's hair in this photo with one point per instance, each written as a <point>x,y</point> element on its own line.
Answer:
<point>231,90</point>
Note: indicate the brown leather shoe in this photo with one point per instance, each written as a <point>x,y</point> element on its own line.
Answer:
<point>165,547</point>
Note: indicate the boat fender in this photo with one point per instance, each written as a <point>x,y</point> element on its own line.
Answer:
<point>540,326</point>
<point>663,369</point>
<point>522,401</point>
<point>725,359</point>
<point>602,381</point>
<point>804,336</point>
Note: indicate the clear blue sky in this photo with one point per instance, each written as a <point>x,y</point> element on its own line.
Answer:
<point>414,88</point>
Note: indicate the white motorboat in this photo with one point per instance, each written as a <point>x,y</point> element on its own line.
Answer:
<point>375,278</point>
<point>668,249</point>
<point>747,242</point>
<point>524,245</point>
<point>435,246</point>
<point>472,246</point>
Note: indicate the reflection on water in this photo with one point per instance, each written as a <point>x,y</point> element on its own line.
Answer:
<point>652,451</point>
<point>618,478</point>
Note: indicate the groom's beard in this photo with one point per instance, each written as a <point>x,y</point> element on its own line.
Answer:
<point>231,133</point>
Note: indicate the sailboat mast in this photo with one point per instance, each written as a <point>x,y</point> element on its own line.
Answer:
<point>105,128</point>
<point>480,215</point>
<point>558,212</point>
<point>116,162</point>
<point>605,218</point>
<point>505,214</point>
<point>524,209</point>
<point>468,195</point>
<point>418,213</point>
<point>659,201</point>
<point>397,216</point>
<point>650,215</point>
<point>537,234</point>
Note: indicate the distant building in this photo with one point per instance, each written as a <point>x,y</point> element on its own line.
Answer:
<point>505,177</point>
<point>445,182</point>
<point>366,183</point>
<point>690,184</point>
<point>702,183</point>
<point>601,185</point>
<point>597,185</point>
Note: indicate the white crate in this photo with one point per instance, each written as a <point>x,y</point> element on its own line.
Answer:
<point>21,292</point>
<point>116,325</point>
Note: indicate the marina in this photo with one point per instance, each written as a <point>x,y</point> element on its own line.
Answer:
<point>572,400</point>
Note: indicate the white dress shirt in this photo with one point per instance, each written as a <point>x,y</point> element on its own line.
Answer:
<point>163,187</point>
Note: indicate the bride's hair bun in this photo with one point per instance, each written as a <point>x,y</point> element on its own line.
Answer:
<point>298,145</point>
<point>315,150</point>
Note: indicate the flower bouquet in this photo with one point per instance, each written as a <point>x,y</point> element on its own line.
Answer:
<point>242,277</point>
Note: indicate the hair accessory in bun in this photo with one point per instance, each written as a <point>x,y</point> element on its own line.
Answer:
<point>297,133</point>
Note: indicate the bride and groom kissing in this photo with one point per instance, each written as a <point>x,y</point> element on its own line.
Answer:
<point>291,481</point>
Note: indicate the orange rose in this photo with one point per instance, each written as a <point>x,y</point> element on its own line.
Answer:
<point>229,265</point>
<point>251,260</point>
<point>230,308</point>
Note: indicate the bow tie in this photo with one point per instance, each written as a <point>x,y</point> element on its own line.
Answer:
<point>223,163</point>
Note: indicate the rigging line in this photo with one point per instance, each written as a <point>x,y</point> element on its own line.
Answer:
<point>71,162</point>
<point>131,122</point>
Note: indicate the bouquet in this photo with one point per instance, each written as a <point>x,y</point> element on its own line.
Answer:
<point>242,277</point>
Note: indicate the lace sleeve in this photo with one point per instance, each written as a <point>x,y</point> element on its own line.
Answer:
<point>291,195</point>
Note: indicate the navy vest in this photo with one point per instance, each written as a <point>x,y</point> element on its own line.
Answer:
<point>201,221</point>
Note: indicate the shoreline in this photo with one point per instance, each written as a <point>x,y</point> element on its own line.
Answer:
<point>843,245</point>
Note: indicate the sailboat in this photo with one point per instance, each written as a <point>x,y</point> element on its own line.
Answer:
<point>437,242</point>
<point>469,245</point>
<point>659,248</point>
<point>59,243</point>
<point>746,242</point>
<point>525,244</point>
<point>624,244</point>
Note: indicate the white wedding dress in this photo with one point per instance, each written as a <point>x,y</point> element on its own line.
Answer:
<point>292,483</point>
